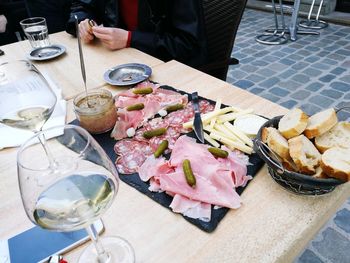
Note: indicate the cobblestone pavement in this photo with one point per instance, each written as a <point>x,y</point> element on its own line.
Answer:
<point>312,73</point>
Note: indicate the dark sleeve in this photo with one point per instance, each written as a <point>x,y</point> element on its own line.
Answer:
<point>182,37</point>
<point>82,9</point>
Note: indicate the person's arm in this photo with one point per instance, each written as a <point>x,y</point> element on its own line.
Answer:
<point>183,37</point>
<point>3,22</point>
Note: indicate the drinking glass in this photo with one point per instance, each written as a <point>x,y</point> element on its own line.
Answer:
<point>36,31</point>
<point>73,193</point>
<point>26,99</point>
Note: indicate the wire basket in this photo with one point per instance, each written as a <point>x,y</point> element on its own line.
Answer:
<point>292,181</point>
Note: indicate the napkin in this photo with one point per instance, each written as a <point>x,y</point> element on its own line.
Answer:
<point>12,137</point>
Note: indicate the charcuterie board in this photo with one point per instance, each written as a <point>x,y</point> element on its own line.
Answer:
<point>107,143</point>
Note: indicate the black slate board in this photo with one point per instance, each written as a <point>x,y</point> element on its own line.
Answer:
<point>134,180</point>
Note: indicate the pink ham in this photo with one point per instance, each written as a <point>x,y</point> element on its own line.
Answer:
<point>191,208</point>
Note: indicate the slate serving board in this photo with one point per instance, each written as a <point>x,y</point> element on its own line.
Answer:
<point>134,180</point>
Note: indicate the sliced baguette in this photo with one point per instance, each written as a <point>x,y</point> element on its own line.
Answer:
<point>304,154</point>
<point>293,123</point>
<point>320,174</point>
<point>276,142</point>
<point>320,123</point>
<point>338,136</point>
<point>335,162</point>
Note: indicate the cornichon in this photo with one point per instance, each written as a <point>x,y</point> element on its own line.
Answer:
<point>155,132</point>
<point>174,107</point>
<point>138,106</point>
<point>161,148</point>
<point>142,91</point>
<point>190,179</point>
<point>218,152</point>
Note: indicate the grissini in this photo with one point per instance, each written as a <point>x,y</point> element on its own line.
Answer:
<point>320,123</point>
<point>304,154</point>
<point>293,123</point>
<point>335,162</point>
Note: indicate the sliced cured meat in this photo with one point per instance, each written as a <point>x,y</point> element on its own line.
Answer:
<point>154,167</point>
<point>171,136</point>
<point>125,147</point>
<point>156,123</point>
<point>169,97</point>
<point>191,208</point>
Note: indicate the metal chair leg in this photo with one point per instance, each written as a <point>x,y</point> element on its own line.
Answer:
<point>314,23</point>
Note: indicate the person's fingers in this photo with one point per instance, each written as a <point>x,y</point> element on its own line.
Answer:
<point>102,30</point>
<point>103,36</point>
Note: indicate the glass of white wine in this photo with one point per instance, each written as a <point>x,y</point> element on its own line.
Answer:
<point>73,193</point>
<point>26,99</point>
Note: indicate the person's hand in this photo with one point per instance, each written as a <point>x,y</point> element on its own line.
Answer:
<point>85,31</point>
<point>112,38</point>
<point>3,22</point>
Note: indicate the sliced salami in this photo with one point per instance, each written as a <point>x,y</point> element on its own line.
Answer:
<point>125,147</point>
<point>171,136</point>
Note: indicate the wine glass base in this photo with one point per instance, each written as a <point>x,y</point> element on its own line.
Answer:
<point>118,249</point>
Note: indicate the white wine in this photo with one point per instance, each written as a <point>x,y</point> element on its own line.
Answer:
<point>32,118</point>
<point>74,202</point>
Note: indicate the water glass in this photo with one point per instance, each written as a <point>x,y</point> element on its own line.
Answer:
<point>36,31</point>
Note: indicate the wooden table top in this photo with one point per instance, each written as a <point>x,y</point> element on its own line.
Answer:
<point>272,225</point>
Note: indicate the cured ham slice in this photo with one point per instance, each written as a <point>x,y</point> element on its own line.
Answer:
<point>191,208</point>
<point>216,178</point>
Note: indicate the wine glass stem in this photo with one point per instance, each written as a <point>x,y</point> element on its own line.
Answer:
<point>47,151</point>
<point>102,255</point>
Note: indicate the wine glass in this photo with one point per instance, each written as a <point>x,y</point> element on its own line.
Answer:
<point>26,99</point>
<point>73,193</point>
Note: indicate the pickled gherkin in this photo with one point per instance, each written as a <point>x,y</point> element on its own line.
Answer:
<point>161,148</point>
<point>152,133</point>
<point>218,152</point>
<point>190,178</point>
<point>142,91</point>
<point>174,107</point>
<point>138,106</point>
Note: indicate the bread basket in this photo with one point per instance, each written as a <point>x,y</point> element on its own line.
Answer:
<point>292,181</point>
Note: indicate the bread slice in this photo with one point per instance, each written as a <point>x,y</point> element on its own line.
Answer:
<point>293,123</point>
<point>335,162</point>
<point>304,154</point>
<point>338,136</point>
<point>320,123</point>
<point>276,142</point>
<point>320,174</point>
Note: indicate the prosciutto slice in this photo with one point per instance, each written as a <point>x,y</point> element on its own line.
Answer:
<point>216,178</point>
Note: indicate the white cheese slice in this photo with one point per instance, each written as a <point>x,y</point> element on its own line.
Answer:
<point>249,123</point>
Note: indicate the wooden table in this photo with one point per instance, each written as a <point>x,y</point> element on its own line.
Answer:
<point>272,225</point>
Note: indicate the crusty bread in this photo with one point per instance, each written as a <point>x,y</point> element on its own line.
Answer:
<point>335,162</point>
<point>276,142</point>
<point>338,136</point>
<point>304,154</point>
<point>293,123</point>
<point>320,123</point>
<point>320,174</point>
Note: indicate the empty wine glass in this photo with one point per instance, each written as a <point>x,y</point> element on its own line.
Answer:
<point>75,192</point>
<point>26,99</point>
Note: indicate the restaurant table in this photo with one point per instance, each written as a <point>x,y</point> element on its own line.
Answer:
<point>272,225</point>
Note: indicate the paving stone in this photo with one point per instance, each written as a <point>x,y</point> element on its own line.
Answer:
<point>304,53</point>
<point>254,78</point>
<point>245,60</point>
<point>260,63</point>
<point>321,66</point>
<point>312,59</point>
<point>288,50</point>
<point>343,104</point>
<point>277,67</point>
<point>338,71</point>
<point>300,94</point>
<point>279,92</point>
<point>256,90</point>
<point>321,101</point>
<point>336,56</point>
<point>266,72</point>
<point>312,72</point>
<point>347,96</point>
<point>327,78</point>
<point>334,246</point>
<point>289,104</point>
<point>287,61</point>
<point>323,53</point>
<point>312,48</point>
<point>309,257</point>
<point>300,65</point>
<point>289,85</point>
<point>244,84</point>
<point>346,64</point>
<point>295,57</point>
<point>270,58</point>
<point>346,78</point>
<point>249,68</point>
<point>332,47</point>
<point>315,86</point>
<point>341,86</point>
<point>270,97</point>
<point>310,109</point>
<point>287,74</point>
<point>343,52</point>
<point>302,78</point>
<point>332,93</point>
<point>342,219</point>
<point>269,82</point>
<point>344,116</point>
